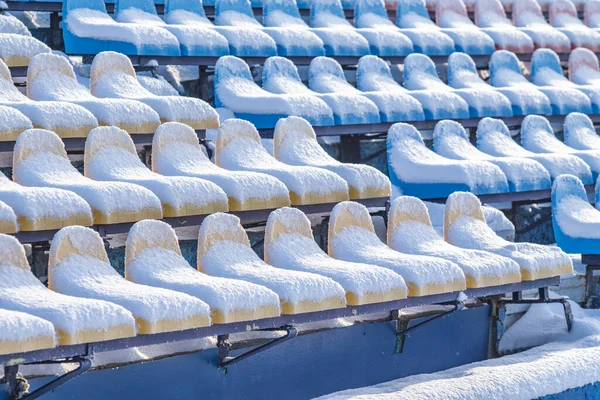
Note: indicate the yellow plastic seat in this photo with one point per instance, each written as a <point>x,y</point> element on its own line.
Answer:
<point>13,122</point>
<point>17,50</point>
<point>21,332</point>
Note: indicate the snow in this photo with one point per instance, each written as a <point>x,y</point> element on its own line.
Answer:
<point>21,291</point>
<point>289,244</point>
<point>352,238</point>
<point>79,267</point>
<point>575,216</point>
<point>583,67</point>
<point>239,149</point>
<point>10,24</point>
<point>410,231</point>
<point>451,15</point>
<point>491,18</point>
<point>527,15</point>
<point>412,16</point>
<point>112,76</point>
<point>591,13</point>
<point>15,47</point>
<point>12,122</point>
<point>579,132</point>
<point>563,15</point>
<point>296,144</point>
<point>110,155</point>
<point>19,327</point>
<point>153,258</point>
<point>464,226</point>
<point>224,251</point>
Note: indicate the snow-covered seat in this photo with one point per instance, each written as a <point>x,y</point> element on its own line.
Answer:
<point>40,160</point>
<point>413,20</point>
<point>295,143</point>
<point>8,219</point>
<point>491,18</point>
<point>75,320</point>
<point>176,152</point>
<point>328,21</point>
<point>78,266</point>
<point>326,76</point>
<point>505,72</point>
<point>537,136</point>
<point>67,120</point>
<point>451,16</point>
<point>415,170</point>
<point>290,245</point>
<point>12,123</point>
<point>236,90</point>
<point>289,41</point>
<point>280,76</point>
<point>591,14</point>
<point>563,16</point>
<point>462,73</point>
<point>493,138</point>
<point>16,50</point>
<point>576,222</point>
<point>112,76</point>
<point>239,149</point>
<point>352,238</point>
<point>580,133</point>
<point>153,258</point>
<point>420,74</point>
<point>527,16</point>
<point>410,231</point>
<point>465,226</point>
<point>51,77</point>
<point>452,141</point>
<point>194,40</point>
<point>224,251</point>
<point>110,155</point>
<point>385,39</point>
<point>88,29</point>
<point>23,332</point>
<point>374,75</point>
<point>583,67</point>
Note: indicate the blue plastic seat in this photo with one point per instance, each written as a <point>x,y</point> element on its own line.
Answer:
<point>580,133</point>
<point>236,90</point>
<point>413,20</point>
<point>451,16</point>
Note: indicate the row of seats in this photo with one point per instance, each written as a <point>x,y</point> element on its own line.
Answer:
<point>497,164</point>
<point>49,193</point>
<point>17,46</point>
<point>88,301</point>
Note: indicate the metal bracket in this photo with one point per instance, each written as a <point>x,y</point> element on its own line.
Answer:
<point>224,346</point>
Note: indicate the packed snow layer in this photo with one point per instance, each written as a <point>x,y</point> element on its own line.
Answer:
<point>239,149</point>
<point>110,155</point>
<point>583,67</point>
<point>571,211</point>
<point>21,327</point>
<point>289,244</point>
<point>16,49</point>
<point>224,251</point>
<point>352,238</point>
<point>580,133</point>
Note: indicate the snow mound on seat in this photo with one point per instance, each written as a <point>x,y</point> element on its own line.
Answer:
<point>12,119</point>
<point>575,216</point>
<point>10,24</point>
<point>579,132</point>
<point>16,45</point>
<point>19,327</point>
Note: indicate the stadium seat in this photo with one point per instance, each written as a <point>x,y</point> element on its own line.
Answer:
<point>462,74</point>
<point>583,67</point>
<point>352,238</point>
<point>33,333</point>
<point>546,71</point>
<point>40,160</point>
<point>224,251</point>
<point>75,320</point>
<point>51,77</point>
<point>16,44</point>
<point>112,76</point>
<point>420,74</point>
<point>563,16</point>
<point>328,21</point>
<point>194,39</point>
<point>491,18</point>
<point>295,143</point>
<point>176,152</point>
<point>450,140</point>
<point>579,132</point>
<point>527,16</point>
<point>451,16</point>
<point>591,14</point>
<point>465,226</point>
<point>374,75</point>
<point>290,245</point>
<point>385,39</point>
<point>427,38</point>
<point>410,231</point>
<point>67,120</point>
<point>110,155</point>
<point>505,72</point>
<point>12,123</point>
<point>417,171</point>
<point>493,138</point>
<point>78,266</point>
<point>153,258</point>
<point>236,90</point>
<point>88,29</point>
<point>8,219</point>
<point>576,222</point>
<point>280,76</point>
<point>239,149</point>
<point>326,76</point>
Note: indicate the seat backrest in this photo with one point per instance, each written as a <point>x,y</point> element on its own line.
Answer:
<point>233,129</point>
<point>51,67</point>
<point>239,6</point>
<point>450,12</point>
<point>286,220</point>
<point>348,214</point>
<point>527,12</point>
<point>364,7</point>
<point>406,208</point>
<point>279,67</point>
<point>578,124</point>
<point>461,67</point>
<point>591,13</point>
<point>461,204</point>
<point>320,8</point>
<point>229,67</point>
<point>567,185</point>
<point>193,6</point>
<point>407,7</point>
<point>541,60</point>
<point>582,63</point>
<point>12,253</point>
<point>488,12</point>
<point>503,61</point>
<point>489,125</point>
<point>143,5</point>
<point>110,62</point>
<point>148,234</point>
<point>372,72</point>
<point>68,5</point>
<point>324,68</point>
<point>448,133</point>
<point>298,132</point>
<point>8,90</point>
<point>76,240</point>
<point>174,132</point>
<point>533,124</point>
<point>36,143</point>
<point>220,227</point>
<point>563,12</point>
<point>105,137</point>
<point>404,136</point>
<point>416,65</point>
<point>288,7</point>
